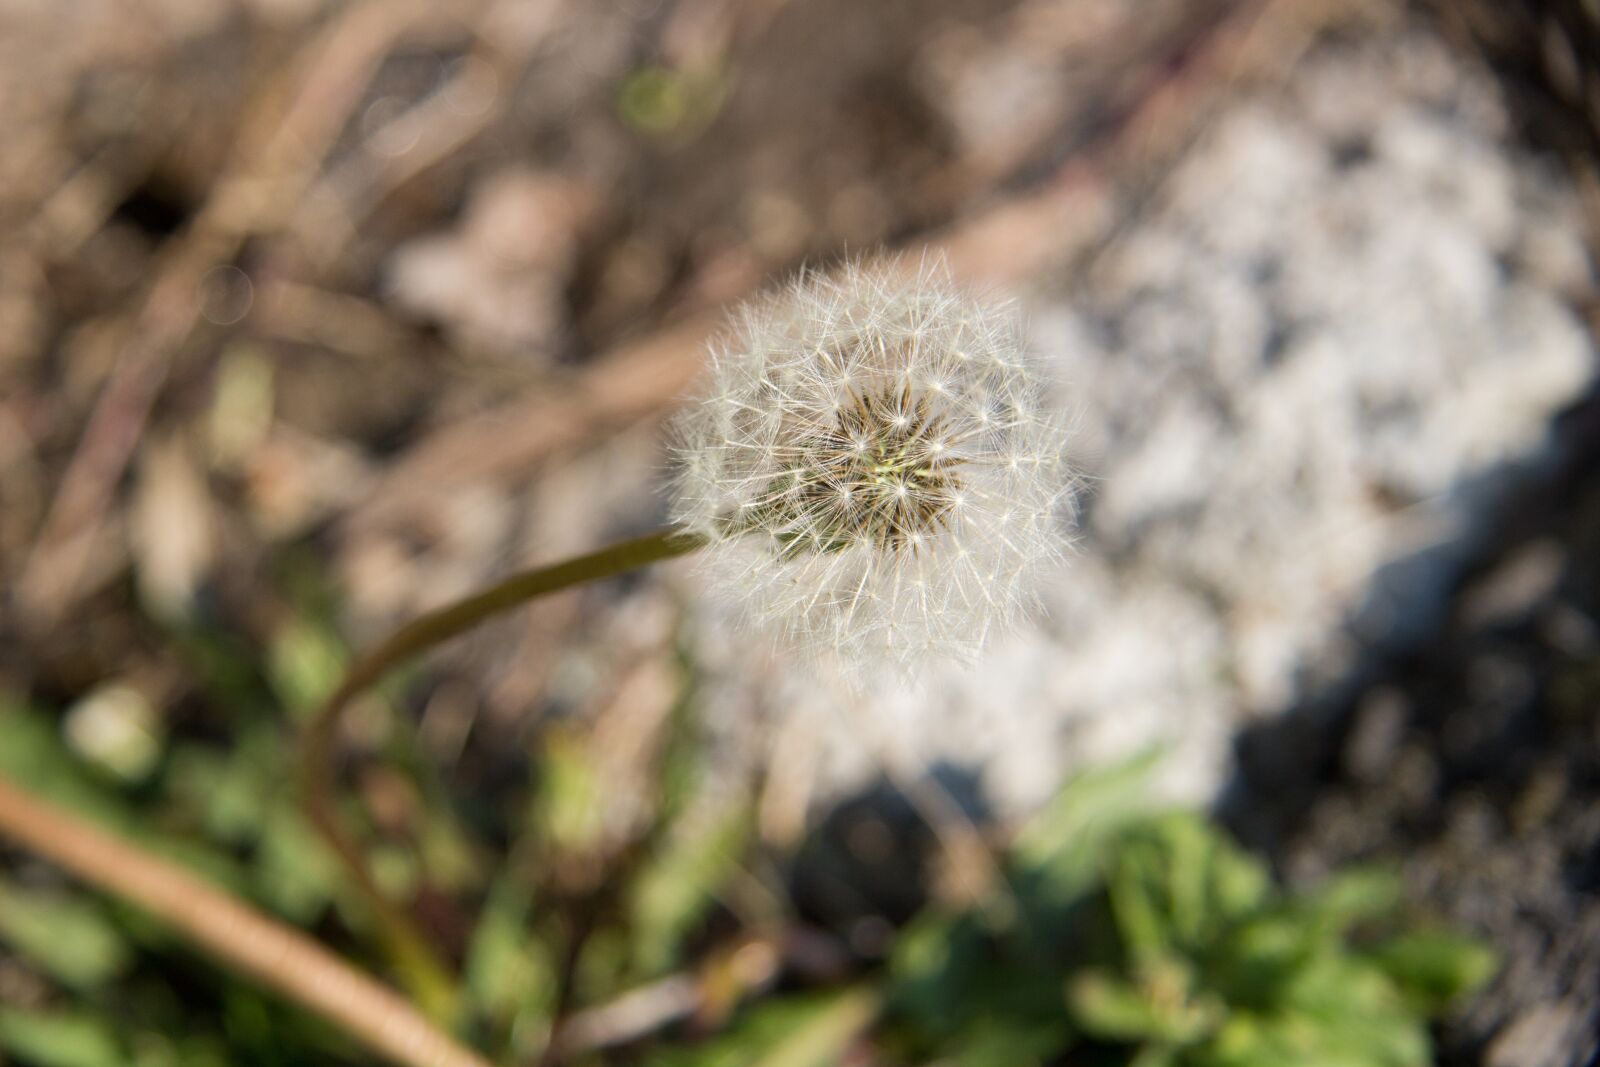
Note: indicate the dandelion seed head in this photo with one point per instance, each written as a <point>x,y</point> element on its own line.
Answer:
<point>901,485</point>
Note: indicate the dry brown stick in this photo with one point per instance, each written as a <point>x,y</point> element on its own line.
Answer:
<point>725,977</point>
<point>623,387</point>
<point>336,206</point>
<point>732,973</point>
<point>236,934</point>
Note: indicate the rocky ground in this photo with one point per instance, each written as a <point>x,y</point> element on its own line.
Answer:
<point>1337,402</point>
<point>1326,319</point>
<point>1308,371</point>
<point>1473,759</point>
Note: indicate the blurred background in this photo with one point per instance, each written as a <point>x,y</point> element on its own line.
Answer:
<point>317,314</point>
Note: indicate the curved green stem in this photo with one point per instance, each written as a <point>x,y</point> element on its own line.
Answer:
<point>424,972</point>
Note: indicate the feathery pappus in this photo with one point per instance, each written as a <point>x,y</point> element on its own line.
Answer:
<point>875,468</point>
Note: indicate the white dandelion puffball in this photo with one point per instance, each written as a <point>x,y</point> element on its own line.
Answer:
<point>875,469</point>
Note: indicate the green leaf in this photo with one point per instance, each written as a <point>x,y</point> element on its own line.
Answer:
<point>1157,1056</point>
<point>1191,857</point>
<point>1141,899</point>
<point>223,791</point>
<point>653,99</point>
<point>68,937</point>
<point>1005,1041</point>
<point>304,663</point>
<point>1178,884</point>
<point>1061,848</point>
<point>668,101</point>
<point>77,1039</point>
<point>1110,1008</point>
<point>680,881</point>
<point>1239,884</point>
<point>601,969</point>
<point>295,872</point>
<point>446,852</point>
<point>809,1031</point>
<point>939,969</point>
<point>1303,1041</point>
<point>1160,1008</point>
<point>1358,895</point>
<point>509,974</point>
<point>1257,959</point>
<point>1345,1006</point>
<point>569,806</point>
<point>1436,968</point>
<point>1248,1040</point>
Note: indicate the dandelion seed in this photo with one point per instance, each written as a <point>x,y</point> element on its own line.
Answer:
<point>873,424</point>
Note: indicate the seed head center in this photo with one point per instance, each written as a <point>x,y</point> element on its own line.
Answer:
<point>880,475</point>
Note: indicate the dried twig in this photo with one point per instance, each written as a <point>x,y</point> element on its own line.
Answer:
<point>622,387</point>
<point>727,977</point>
<point>260,947</point>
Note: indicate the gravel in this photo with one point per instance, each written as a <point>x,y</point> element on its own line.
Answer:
<point>1306,375</point>
<point>1472,761</point>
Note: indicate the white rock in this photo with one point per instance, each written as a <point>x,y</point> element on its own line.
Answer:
<point>1297,376</point>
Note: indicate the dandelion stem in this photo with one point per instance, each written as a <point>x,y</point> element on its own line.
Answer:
<point>425,974</point>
